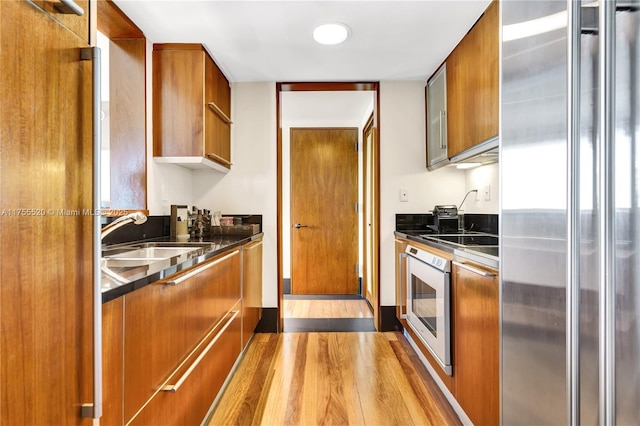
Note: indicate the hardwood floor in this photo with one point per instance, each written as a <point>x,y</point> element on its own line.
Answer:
<point>332,378</point>
<point>332,308</point>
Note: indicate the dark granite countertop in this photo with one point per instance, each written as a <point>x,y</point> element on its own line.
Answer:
<point>121,277</point>
<point>487,256</point>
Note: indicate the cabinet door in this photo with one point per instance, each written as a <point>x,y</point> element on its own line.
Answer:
<point>437,117</point>
<point>112,365</point>
<point>164,323</point>
<point>251,289</point>
<point>476,360</point>
<point>46,297</point>
<point>178,101</point>
<point>78,24</point>
<point>189,404</point>
<point>472,85</point>
<point>217,119</point>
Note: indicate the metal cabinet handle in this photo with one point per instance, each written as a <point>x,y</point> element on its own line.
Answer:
<point>94,410</point>
<point>298,226</point>
<point>443,143</point>
<point>196,271</point>
<point>69,7</point>
<point>251,246</point>
<point>181,380</point>
<point>474,270</point>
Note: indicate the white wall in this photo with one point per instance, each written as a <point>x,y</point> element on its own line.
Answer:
<point>403,165</point>
<point>479,178</point>
<point>250,186</point>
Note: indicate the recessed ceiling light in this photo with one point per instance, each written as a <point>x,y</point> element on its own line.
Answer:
<point>331,34</point>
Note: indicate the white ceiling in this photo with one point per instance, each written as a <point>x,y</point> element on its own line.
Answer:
<point>272,41</point>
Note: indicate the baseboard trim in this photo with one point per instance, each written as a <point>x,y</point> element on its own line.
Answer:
<point>269,321</point>
<point>311,325</point>
<point>388,319</point>
<point>322,297</point>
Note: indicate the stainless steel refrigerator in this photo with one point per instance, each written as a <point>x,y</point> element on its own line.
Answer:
<point>570,189</point>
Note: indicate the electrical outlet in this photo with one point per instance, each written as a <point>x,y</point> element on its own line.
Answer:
<point>404,195</point>
<point>477,195</point>
<point>164,192</point>
<point>487,193</point>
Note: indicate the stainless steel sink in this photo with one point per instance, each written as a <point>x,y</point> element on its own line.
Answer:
<point>156,253</point>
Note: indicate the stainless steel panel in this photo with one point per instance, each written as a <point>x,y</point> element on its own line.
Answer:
<point>533,224</point>
<point>627,232</point>
<point>588,214</point>
<point>571,228</point>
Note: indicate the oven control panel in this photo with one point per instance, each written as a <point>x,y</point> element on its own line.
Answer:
<point>429,258</point>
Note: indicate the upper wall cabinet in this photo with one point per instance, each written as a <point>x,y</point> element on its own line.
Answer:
<point>472,88</point>
<point>437,119</point>
<point>191,108</point>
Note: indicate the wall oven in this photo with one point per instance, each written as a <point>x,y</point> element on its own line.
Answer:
<point>429,303</point>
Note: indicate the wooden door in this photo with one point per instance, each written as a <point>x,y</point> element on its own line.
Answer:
<point>46,295</point>
<point>324,193</point>
<point>370,215</point>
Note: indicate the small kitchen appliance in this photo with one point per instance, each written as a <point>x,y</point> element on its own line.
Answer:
<point>445,218</point>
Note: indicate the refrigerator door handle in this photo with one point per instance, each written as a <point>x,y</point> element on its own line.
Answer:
<point>95,410</point>
<point>606,223</point>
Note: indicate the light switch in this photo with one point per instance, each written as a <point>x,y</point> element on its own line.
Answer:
<point>487,193</point>
<point>404,195</point>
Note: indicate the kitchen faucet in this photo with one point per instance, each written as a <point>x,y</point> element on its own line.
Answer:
<point>137,218</point>
<point>465,198</point>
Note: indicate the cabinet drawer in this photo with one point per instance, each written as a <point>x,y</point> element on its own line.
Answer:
<point>77,24</point>
<point>191,401</point>
<point>165,321</point>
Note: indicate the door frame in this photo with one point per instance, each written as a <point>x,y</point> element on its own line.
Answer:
<point>370,237</point>
<point>324,87</point>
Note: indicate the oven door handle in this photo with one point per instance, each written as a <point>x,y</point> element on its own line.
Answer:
<point>403,298</point>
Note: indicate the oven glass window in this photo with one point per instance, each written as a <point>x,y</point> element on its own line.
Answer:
<point>423,302</point>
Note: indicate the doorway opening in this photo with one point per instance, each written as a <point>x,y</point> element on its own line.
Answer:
<point>327,206</point>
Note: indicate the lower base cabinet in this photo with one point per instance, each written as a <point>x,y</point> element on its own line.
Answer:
<point>190,402</point>
<point>169,347</point>
<point>475,329</point>
<point>477,358</point>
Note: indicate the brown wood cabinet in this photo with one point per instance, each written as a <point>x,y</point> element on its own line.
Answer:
<point>167,320</point>
<point>189,404</point>
<point>472,85</point>
<point>251,289</point>
<point>475,331</point>
<point>112,365</point>
<point>476,345</point>
<point>191,107</point>
<point>77,24</point>
<point>193,324</point>
<point>46,296</point>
